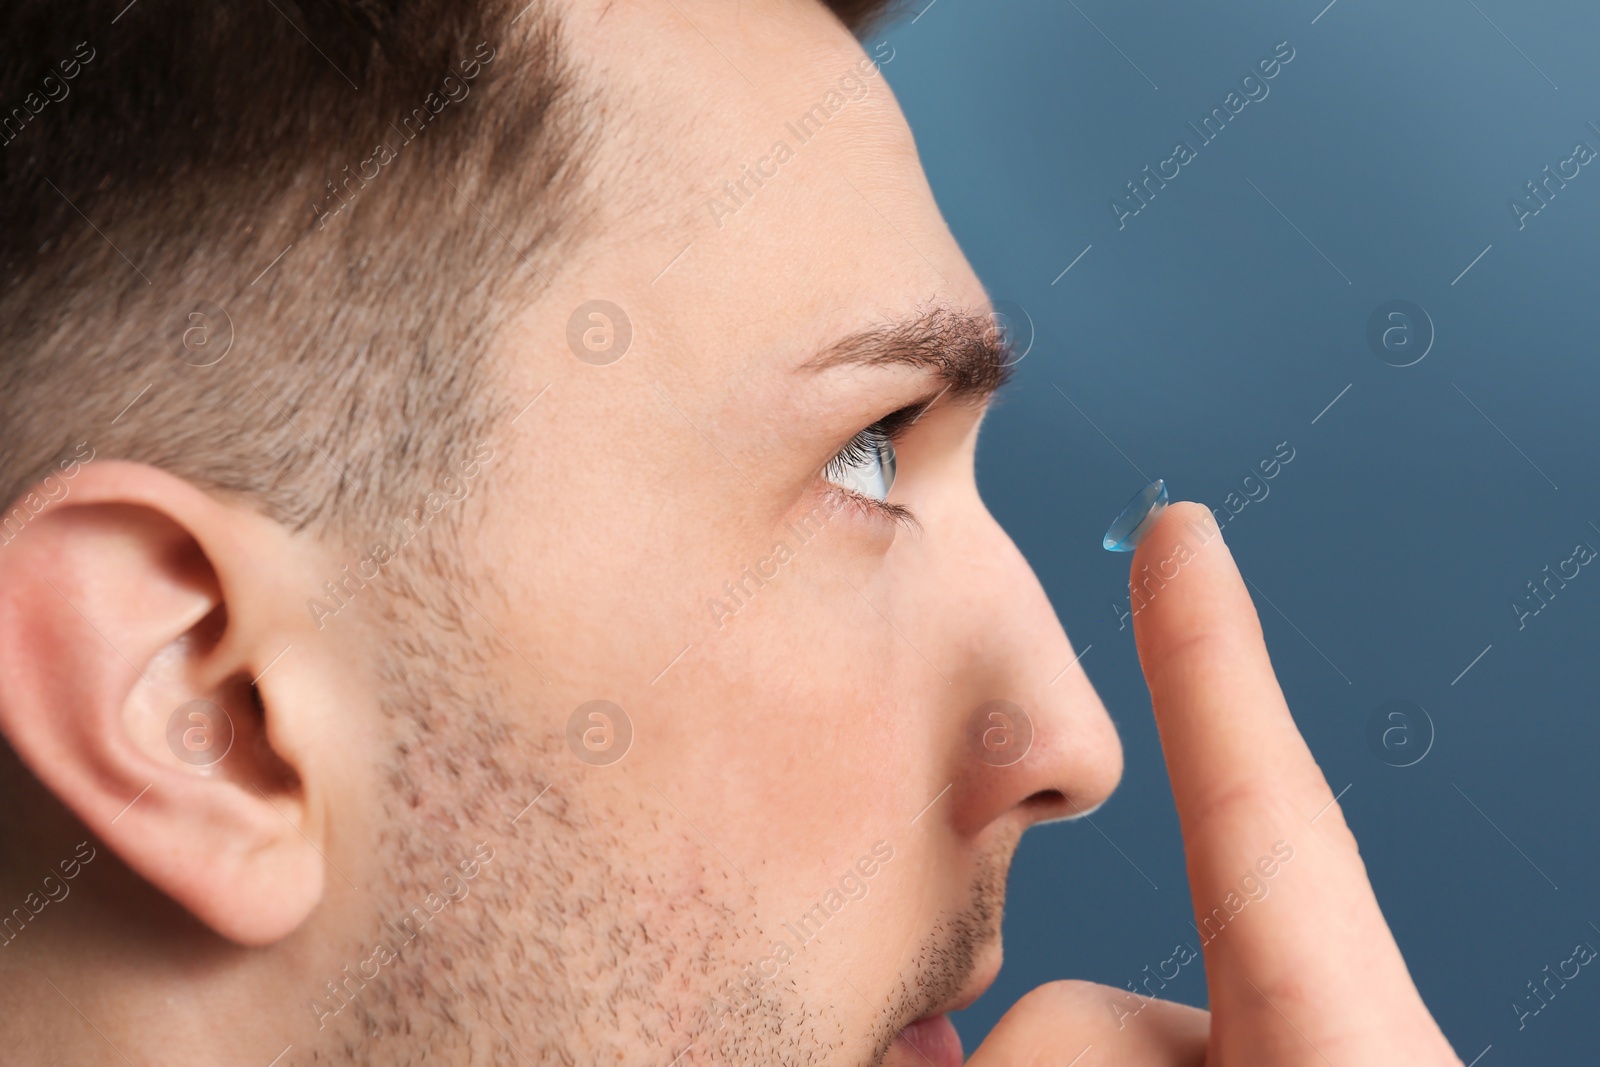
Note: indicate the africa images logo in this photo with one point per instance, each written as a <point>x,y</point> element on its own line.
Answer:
<point>1253,88</point>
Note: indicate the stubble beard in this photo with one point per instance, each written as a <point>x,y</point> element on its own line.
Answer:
<point>591,936</point>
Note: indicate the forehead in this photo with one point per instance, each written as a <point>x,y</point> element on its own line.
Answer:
<point>759,190</point>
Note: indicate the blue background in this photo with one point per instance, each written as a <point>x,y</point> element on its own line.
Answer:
<point>1222,320</point>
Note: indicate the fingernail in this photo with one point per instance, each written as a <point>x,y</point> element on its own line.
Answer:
<point>1138,518</point>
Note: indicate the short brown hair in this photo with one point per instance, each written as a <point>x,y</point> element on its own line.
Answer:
<point>306,180</point>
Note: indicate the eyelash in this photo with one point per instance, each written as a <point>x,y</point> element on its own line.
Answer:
<point>865,444</point>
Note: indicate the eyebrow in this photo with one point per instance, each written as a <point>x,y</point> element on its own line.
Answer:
<point>963,349</point>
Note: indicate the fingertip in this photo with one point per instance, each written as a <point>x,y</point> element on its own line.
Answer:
<point>1181,537</point>
<point>1183,520</point>
<point>1184,585</point>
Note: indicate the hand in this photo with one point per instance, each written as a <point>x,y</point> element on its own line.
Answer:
<point>1301,968</point>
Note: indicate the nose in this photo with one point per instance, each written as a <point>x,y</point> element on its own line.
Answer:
<point>1029,739</point>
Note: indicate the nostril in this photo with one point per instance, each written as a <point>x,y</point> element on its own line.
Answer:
<point>1047,800</point>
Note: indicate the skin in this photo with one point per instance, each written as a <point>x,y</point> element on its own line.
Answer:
<point>774,748</point>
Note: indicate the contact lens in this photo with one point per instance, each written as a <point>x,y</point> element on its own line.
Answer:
<point>1138,518</point>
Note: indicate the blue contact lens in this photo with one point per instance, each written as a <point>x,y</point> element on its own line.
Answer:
<point>1138,518</point>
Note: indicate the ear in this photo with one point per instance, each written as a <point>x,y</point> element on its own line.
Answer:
<point>137,616</point>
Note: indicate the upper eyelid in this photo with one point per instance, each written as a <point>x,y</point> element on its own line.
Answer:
<point>893,425</point>
<point>903,418</point>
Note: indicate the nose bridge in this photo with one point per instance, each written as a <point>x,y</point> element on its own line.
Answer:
<point>1019,686</point>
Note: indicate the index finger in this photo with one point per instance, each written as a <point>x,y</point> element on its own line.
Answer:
<point>1225,726</point>
<point>1283,908</point>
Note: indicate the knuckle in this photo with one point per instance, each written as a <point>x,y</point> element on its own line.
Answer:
<point>1253,802</point>
<point>1191,660</point>
<point>1053,1002</point>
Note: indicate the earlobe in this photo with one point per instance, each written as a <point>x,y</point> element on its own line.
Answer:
<point>130,643</point>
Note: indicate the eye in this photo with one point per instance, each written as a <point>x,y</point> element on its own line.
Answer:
<point>865,465</point>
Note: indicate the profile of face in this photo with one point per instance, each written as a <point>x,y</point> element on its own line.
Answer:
<point>682,746</point>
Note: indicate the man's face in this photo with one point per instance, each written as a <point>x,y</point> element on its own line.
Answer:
<point>803,845</point>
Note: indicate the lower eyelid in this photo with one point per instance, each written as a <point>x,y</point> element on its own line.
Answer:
<point>875,509</point>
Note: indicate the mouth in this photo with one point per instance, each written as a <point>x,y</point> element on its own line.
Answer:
<point>932,1039</point>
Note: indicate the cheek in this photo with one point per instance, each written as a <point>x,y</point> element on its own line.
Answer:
<point>796,708</point>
